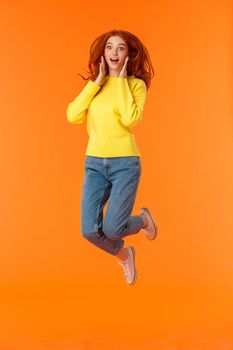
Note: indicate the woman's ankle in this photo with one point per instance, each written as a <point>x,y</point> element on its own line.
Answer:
<point>144,220</point>
<point>122,254</point>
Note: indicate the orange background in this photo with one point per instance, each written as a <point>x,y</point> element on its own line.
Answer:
<point>57,290</point>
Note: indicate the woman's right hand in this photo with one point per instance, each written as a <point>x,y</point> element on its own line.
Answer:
<point>102,72</point>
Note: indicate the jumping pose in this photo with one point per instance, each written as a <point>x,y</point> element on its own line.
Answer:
<point>112,102</point>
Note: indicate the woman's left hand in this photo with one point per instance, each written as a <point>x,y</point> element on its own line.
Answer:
<point>123,72</point>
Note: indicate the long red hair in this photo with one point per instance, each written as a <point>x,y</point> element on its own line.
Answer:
<point>139,63</point>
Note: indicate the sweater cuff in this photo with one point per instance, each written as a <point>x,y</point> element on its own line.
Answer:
<point>94,84</point>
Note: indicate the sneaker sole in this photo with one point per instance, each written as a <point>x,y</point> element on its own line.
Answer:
<point>135,274</point>
<point>154,223</point>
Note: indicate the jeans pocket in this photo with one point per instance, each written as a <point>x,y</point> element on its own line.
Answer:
<point>138,164</point>
<point>89,161</point>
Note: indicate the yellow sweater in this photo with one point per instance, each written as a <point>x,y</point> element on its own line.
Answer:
<point>111,110</point>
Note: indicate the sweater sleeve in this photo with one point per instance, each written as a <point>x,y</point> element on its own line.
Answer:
<point>77,109</point>
<point>131,104</point>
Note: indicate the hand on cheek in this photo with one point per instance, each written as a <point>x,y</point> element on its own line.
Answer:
<point>123,72</point>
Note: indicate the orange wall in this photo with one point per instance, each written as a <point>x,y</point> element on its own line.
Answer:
<point>185,276</point>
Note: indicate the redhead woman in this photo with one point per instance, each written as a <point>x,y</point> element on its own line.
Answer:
<point>112,103</point>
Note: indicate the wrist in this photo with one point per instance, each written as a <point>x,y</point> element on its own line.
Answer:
<point>97,81</point>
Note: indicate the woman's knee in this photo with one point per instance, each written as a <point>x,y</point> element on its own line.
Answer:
<point>87,235</point>
<point>90,233</point>
<point>112,231</point>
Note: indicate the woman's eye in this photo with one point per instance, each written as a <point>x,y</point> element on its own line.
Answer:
<point>121,48</point>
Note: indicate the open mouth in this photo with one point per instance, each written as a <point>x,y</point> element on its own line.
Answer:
<point>114,60</point>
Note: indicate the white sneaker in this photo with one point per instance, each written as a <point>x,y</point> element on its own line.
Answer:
<point>151,228</point>
<point>129,266</point>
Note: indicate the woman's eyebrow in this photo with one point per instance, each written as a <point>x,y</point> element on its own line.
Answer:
<point>111,43</point>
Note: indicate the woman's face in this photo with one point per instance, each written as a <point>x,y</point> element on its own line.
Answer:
<point>115,47</point>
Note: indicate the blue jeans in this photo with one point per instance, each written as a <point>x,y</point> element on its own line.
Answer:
<point>116,179</point>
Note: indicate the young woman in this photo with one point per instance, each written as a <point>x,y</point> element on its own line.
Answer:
<point>113,101</point>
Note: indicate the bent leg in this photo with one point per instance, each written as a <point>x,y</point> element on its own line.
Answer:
<point>95,193</point>
<point>125,179</point>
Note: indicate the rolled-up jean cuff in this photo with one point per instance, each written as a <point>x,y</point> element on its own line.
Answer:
<point>118,248</point>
